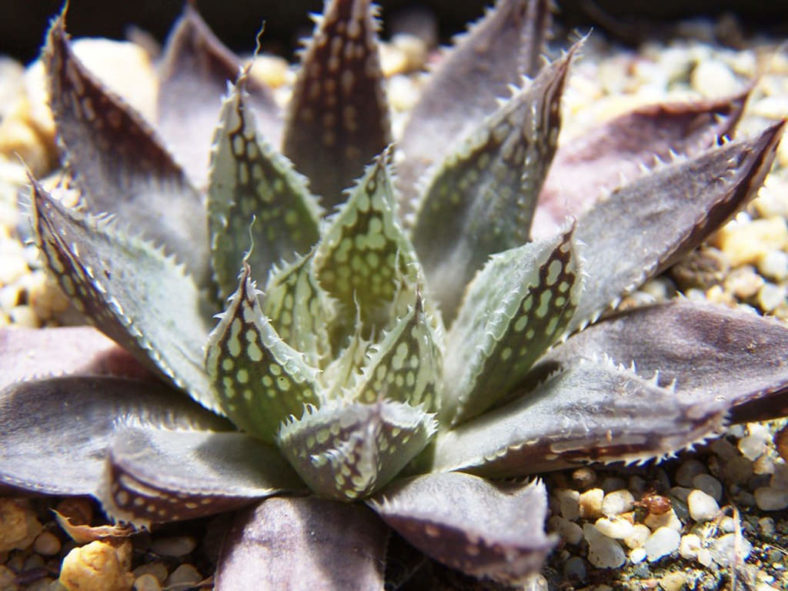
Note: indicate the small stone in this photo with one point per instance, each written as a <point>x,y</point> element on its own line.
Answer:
<point>747,243</point>
<point>701,268</point>
<point>774,265</point>
<point>173,546</point>
<point>47,544</point>
<point>753,445</point>
<point>272,70</point>
<point>603,552</point>
<point>708,484</point>
<point>185,574</point>
<point>637,555</point>
<point>702,507</point>
<point>737,470</point>
<point>771,499</point>
<point>688,470</point>
<point>727,525</point>
<point>713,78</point>
<point>617,528</point>
<point>147,582</point>
<point>766,526</point>
<point>662,542</point>
<point>681,492</point>
<point>618,502</point>
<point>771,296</point>
<point>689,546</point>
<point>18,525</point>
<point>704,557</point>
<point>156,568</point>
<point>575,569</point>
<point>638,536</point>
<point>569,531</point>
<point>7,579</point>
<point>568,503</point>
<point>98,566</point>
<point>727,548</point>
<point>668,519</point>
<point>584,477</point>
<point>611,483</point>
<point>674,581</point>
<point>744,282</point>
<point>591,503</point>
<point>24,316</point>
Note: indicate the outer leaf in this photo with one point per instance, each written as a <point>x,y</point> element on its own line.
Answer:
<point>587,167</point>
<point>364,256</point>
<point>516,307</point>
<point>738,357</point>
<point>54,433</point>
<point>254,194</point>
<point>645,226</point>
<point>132,292</point>
<point>79,350</point>
<point>482,199</point>
<point>593,410</point>
<point>118,162</point>
<point>348,451</point>
<point>155,475</point>
<point>338,117</point>
<point>496,53</point>
<point>194,77</point>
<point>258,378</point>
<point>303,543</point>
<point>470,524</point>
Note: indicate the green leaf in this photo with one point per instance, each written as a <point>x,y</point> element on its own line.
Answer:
<point>338,117</point>
<point>364,257</point>
<point>346,451</point>
<point>258,378</point>
<point>515,308</point>
<point>254,192</point>
<point>481,200</point>
<point>132,292</point>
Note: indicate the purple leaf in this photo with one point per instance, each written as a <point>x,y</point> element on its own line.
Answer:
<point>587,167</point>
<point>303,543</point>
<point>194,77</point>
<point>497,51</point>
<point>735,356</point>
<point>158,475</point>
<point>75,350</point>
<point>467,523</point>
<point>338,117</point>
<point>646,226</point>
<point>592,410</point>
<point>54,433</point>
<point>119,164</point>
<point>482,198</point>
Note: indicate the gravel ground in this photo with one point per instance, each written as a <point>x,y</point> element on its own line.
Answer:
<point>712,518</point>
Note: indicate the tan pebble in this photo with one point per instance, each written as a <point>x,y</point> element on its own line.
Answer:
<point>713,78</point>
<point>414,49</point>
<point>614,527</point>
<point>701,268</point>
<point>689,546</point>
<point>47,544</point>
<point>743,282</point>
<point>746,243</point>
<point>674,581</point>
<point>185,574</point>
<point>98,566</point>
<point>590,503</point>
<point>18,525</point>
<point>24,316</point>
<point>668,519</point>
<point>43,584</point>
<point>272,70</point>
<point>147,582</point>
<point>771,296</point>
<point>774,265</point>
<point>702,506</point>
<point>12,263</point>
<point>156,568</point>
<point>704,557</point>
<point>617,502</point>
<point>763,465</point>
<point>392,60</point>
<point>638,537</point>
<point>46,298</point>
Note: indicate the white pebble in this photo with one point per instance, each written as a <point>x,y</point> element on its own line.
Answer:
<point>618,502</point>
<point>662,542</point>
<point>771,296</point>
<point>568,503</point>
<point>774,264</point>
<point>638,537</point>
<point>712,78</point>
<point>689,546</point>
<point>637,555</point>
<point>771,499</point>
<point>667,519</point>
<point>603,552</point>
<point>708,484</point>
<point>591,503</point>
<point>727,548</point>
<point>702,507</point>
<point>766,525</point>
<point>617,528</point>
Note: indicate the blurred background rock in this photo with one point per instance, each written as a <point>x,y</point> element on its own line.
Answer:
<point>23,22</point>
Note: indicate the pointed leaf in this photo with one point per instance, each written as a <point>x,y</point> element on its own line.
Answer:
<point>516,307</point>
<point>483,529</point>
<point>482,199</point>
<point>259,379</point>
<point>348,451</point>
<point>593,410</point>
<point>702,349</point>
<point>194,75</point>
<point>54,433</point>
<point>587,167</point>
<point>251,182</point>
<point>645,226</point>
<point>500,49</point>
<point>300,310</point>
<point>118,162</point>
<point>155,475</point>
<point>303,543</point>
<point>338,117</point>
<point>364,255</point>
<point>132,292</point>
<point>27,353</point>
<point>406,365</point>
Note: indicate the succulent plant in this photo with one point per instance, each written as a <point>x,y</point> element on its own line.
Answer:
<point>396,354</point>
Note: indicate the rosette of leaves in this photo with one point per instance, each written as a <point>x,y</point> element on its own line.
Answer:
<point>387,349</point>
